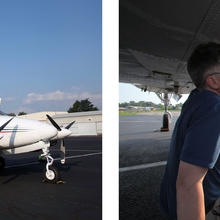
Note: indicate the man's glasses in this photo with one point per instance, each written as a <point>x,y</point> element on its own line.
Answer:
<point>215,73</point>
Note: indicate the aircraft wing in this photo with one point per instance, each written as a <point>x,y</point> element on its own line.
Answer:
<point>157,37</point>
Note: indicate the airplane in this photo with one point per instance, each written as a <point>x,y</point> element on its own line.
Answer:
<point>21,135</point>
<point>156,39</point>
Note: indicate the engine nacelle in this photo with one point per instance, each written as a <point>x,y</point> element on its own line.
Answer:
<point>27,148</point>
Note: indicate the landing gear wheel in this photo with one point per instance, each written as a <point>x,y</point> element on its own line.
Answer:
<point>165,122</point>
<point>51,175</point>
<point>2,164</point>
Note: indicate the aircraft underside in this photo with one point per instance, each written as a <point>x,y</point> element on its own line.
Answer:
<point>156,41</point>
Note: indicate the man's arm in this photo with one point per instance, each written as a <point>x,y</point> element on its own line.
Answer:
<point>189,189</point>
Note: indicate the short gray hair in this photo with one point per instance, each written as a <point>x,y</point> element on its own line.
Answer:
<point>203,58</point>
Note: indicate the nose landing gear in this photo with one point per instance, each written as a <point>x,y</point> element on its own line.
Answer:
<point>50,173</point>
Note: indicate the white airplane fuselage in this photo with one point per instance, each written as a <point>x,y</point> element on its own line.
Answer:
<point>24,135</point>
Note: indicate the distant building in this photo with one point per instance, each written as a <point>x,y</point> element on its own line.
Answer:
<point>122,109</point>
<point>86,123</point>
<point>139,108</point>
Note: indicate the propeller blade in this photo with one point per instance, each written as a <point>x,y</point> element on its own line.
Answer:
<point>63,151</point>
<point>54,123</point>
<point>70,124</point>
<point>5,124</point>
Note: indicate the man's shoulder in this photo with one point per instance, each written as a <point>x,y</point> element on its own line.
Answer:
<point>201,111</point>
<point>206,102</point>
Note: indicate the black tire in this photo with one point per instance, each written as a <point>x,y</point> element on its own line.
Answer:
<point>2,163</point>
<point>166,121</point>
<point>53,176</point>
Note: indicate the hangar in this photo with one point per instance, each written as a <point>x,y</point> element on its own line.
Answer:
<point>86,123</point>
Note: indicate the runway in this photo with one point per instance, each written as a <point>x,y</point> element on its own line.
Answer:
<point>25,196</point>
<point>143,152</point>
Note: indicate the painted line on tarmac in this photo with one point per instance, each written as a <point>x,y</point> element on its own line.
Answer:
<point>132,121</point>
<point>69,157</point>
<point>76,150</point>
<point>82,155</point>
<point>142,166</point>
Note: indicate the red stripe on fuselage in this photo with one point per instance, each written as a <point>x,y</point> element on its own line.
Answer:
<point>11,131</point>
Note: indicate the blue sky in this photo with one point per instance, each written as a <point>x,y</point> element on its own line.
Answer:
<point>129,92</point>
<point>50,54</point>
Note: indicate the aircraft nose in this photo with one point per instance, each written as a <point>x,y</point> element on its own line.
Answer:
<point>64,133</point>
<point>68,132</point>
<point>49,132</point>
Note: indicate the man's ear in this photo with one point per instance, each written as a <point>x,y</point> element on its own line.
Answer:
<point>212,82</point>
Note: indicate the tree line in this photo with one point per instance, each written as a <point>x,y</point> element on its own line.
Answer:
<point>150,104</point>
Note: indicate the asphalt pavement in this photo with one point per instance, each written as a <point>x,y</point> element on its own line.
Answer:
<point>143,152</point>
<point>25,196</point>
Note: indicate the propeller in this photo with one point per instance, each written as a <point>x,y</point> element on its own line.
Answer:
<point>70,124</point>
<point>62,144</point>
<point>5,124</point>
<point>54,123</point>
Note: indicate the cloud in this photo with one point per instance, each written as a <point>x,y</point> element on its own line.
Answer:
<point>59,96</point>
<point>75,88</point>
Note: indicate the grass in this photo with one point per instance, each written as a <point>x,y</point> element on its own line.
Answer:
<point>127,113</point>
<point>134,113</point>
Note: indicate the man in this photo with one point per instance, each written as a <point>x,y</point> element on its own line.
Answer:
<point>191,182</point>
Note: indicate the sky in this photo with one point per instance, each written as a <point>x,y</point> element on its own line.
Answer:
<point>50,54</point>
<point>129,92</point>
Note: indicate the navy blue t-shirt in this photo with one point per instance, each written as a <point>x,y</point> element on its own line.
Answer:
<point>195,140</point>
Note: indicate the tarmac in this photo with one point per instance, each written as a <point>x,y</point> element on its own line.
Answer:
<point>143,151</point>
<point>24,195</point>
